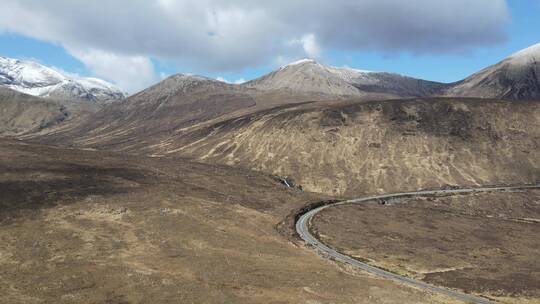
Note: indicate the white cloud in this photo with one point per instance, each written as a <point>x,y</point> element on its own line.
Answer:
<point>310,45</point>
<point>238,81</point>
<point>215,35</point>
<point>131,73</point>
<point>308,42</point>
<point>163,75</point>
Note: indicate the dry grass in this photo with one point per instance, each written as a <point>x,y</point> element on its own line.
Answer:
<point>482,243</point>
<point>377,147</point>
<point>95,227</point>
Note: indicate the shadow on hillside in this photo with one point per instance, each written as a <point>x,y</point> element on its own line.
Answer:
<point>34,188</point>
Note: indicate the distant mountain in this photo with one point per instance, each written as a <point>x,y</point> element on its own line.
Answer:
<point>35,79</point>
<point>177,102</point>
<point>309,76</point>
<point>516,78</point>
<point>183,98</point>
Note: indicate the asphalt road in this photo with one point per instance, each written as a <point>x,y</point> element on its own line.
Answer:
<point>302,228</point>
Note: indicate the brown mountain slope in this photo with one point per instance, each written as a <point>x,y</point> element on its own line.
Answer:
<point>351,148</point>
<point>378,146</point>
<point>21,113</point>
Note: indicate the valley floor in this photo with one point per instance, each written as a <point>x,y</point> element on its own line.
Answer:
<point>95,227</point>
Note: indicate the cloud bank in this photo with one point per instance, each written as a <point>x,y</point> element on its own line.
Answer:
<point>117,38</point>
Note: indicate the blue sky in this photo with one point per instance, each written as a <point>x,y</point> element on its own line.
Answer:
<point>56,48</point>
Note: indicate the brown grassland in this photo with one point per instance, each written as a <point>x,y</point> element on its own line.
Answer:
<point>480,243</point>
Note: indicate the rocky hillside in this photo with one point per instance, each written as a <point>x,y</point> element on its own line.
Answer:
<point>515,78</point>
<point>35,79</point>
<point>21,113</point>
<point>377,146</point>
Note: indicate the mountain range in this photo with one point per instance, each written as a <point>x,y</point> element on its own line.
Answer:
<point>324,126</point>
<point>515,78</point>
<point>184,101</point>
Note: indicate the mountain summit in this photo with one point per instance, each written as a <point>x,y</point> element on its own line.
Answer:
<point>309,76</point>
<point>516,77</point>
<point>35,79</point>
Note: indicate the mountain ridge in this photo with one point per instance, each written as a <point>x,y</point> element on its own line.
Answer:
<point>184,101</point>
<point>310,76</point>
<point>516,77</point>
<point>35,79</point>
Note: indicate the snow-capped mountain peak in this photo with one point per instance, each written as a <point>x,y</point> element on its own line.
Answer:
<point>309,76</point>
<point>526,56</point>
<point>516,77</point>
<point>32,78</point>
<point>29,71</point>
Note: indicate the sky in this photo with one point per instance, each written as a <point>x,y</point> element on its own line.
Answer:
<point>136,43</point>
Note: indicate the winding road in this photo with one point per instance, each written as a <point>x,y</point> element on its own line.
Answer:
<point>302,228</point>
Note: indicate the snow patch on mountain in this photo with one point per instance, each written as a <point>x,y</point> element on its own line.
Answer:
<point>351,75</point>
<point>299,62</point>
<point>345,73</point>
<point>38,80</point>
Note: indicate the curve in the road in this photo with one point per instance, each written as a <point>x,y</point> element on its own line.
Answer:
<point>302,228</point>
